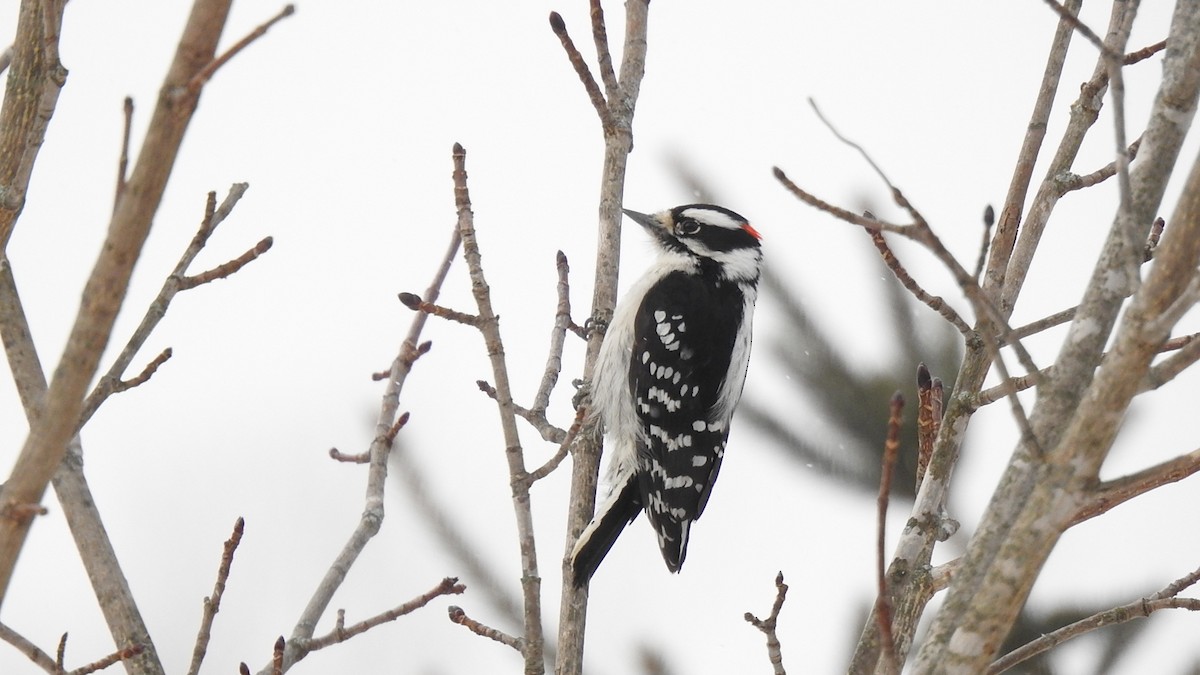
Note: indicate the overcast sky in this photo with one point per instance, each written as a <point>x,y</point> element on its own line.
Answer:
<point>341,120</point>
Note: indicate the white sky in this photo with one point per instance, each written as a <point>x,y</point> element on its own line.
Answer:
<point>342,120</point>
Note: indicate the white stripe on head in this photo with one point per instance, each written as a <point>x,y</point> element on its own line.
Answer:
<point>712,217</point>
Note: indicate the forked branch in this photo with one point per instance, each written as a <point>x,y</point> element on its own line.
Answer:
<point>769,625</point>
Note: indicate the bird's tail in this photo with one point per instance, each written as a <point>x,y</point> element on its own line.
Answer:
<point>623,504</point>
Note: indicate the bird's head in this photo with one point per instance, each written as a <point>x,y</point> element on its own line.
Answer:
<point>708,233</point>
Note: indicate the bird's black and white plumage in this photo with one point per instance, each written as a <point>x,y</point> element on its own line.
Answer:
<point>669,375</point>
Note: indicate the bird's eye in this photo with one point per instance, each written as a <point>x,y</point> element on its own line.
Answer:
<point>687,227</point>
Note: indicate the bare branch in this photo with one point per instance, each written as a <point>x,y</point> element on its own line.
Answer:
<point>1082,28</point>
<point>489,327</point>
<point>989,219</point>
<point>1082,405</point>
<point>585,465</point>
<point>201,78</point>
<point>1112,493</point>
<point>23,645</point>
<point>603,56</point>
<point>1167,370</point>
<point>934,302</point>
<point>31,95</point>
<point>212,604</point>
<point>563,449</point>
<point>116,657</point>
<point>1056,319</point>
<point>1071,182</point>
<point>768,626</point>
<point>1035,133</point>
<point>458,616</point>
<point>1189,352</point>
<point>883,603</point>
<point>992,321</point>
<point>537,420</point>
<point>373,510</point>
<point>47,442</point>
<point>1167,598</point>
<point>359,458</point>
<point>111,383</point>
<point>581,69</point>
<point>226,269</point>
<point>146,373</point>
<point>414,302</point>
<point>840,213</point>
<point>558,337</point>
<point>341,633</point>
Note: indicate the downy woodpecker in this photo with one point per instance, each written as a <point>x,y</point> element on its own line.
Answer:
<point>669,375</point>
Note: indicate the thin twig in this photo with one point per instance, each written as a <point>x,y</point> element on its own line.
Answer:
<point>1056,319</point>
<point>416,304</point>
<point>111,382</point>
<point>1168,369</point>
<point>993,321</point>
<point>116,657</point>
<point>53,425</point>
<point>1109,494</point>
<point>581,69</point>
<point>840,213</point>
<point>458,616</point>
<point>209,70</point>
<point>532,643</point>
<point>359,458</point>
<point>934,302</point>
<point>1004,239</point>
<point>1167,598</point>
<point>1071,182</point>
<point>558,338</point>
<point>212,604</point>
<point>603,55</point>
<point>1187,345</point>
<point>563,449</point>
<point>1086,32</point>
<point>6,58</point>
<point>989,219</point>
<point>548,431</point>
<point>225,269</point>
<point>146,374</point>
<point>768,626</point>
<point>341,632</point>
<point>23,645</point>
<point>54,665</point>
<point>883,601</point>
<point>585,464</point>
<point>373,512</point>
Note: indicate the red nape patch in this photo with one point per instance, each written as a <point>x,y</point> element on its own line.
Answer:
<point>753,232</point>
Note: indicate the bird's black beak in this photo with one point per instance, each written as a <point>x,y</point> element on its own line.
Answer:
<point>649,222</point>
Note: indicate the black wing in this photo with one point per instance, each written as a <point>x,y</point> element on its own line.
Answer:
<point>684,335</point>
